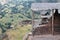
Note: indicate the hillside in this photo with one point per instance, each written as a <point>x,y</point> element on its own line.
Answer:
<point>13,12</point>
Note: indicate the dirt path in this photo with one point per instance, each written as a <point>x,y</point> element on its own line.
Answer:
<point>44,37</point>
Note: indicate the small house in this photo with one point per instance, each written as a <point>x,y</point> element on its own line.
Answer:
<point>49,24</point>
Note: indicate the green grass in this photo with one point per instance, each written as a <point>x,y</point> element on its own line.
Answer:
<point>19,32</point>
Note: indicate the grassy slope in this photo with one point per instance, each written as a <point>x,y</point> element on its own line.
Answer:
<point>18,33</point>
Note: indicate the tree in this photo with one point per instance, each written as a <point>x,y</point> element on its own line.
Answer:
<point>2,28</point>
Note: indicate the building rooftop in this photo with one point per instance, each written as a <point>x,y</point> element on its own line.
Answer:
<point>44,6</point>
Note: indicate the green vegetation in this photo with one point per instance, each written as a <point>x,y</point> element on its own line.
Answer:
<point>11,14</point>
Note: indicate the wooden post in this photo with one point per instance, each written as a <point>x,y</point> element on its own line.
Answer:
<point>52,22</point>
<point>32,19</point>
<point>40,17</point>
<point>33,22</point>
